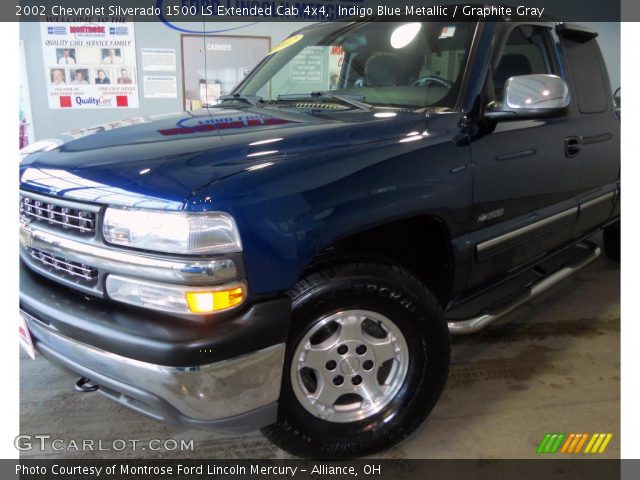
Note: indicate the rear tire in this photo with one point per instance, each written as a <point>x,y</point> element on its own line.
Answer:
<point>611,241</point>
<point>354,315</point>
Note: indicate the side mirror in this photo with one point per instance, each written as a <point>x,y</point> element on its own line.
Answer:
<point>531,97</point>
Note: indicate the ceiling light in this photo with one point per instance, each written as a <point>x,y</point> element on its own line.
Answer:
<point>404,34</point>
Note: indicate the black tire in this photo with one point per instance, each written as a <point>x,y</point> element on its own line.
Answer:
<point>611,241</point>
<point>391,290</point>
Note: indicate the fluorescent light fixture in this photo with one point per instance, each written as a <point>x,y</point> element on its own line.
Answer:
<point>264,142</point>
<point>262,153</point>
<point>410,139</point>
<point>259,166</point>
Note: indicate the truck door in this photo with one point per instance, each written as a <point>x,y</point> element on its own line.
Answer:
<point>525,180</point>
<point>598,145</point>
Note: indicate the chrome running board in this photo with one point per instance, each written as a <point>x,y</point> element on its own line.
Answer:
<point>475,324</point>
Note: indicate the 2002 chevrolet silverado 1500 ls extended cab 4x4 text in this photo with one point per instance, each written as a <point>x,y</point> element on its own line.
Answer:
<point>292,258</point>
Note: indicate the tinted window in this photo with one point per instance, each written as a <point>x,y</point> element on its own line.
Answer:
<point>525,53</point>
<point>590,84</point>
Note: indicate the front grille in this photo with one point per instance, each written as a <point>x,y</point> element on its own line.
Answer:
<point>72,219</point>
<point>64,268</point>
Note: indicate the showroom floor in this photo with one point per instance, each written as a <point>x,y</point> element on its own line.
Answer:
<point>551,366</point>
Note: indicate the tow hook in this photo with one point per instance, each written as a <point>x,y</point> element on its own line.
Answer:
<point>85,385</point>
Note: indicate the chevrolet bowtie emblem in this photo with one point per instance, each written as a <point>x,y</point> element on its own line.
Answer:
<point>25,232</point>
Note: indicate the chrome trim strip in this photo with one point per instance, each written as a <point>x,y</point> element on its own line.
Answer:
<point>597,200</point>
<point>206,392</point>
<point>475,324</point>
<point>524,230</point>
<point>111,260</point>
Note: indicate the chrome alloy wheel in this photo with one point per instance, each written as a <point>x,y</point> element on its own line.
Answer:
<point>349,366</point>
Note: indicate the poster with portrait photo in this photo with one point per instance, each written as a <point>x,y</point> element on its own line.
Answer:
<point>66,56</point>
<point>112,56</point>
<point>79,76</point>
<point>57,76</point>
<point>90,65</point>
<point>125,75</point>
<point>102,76</point>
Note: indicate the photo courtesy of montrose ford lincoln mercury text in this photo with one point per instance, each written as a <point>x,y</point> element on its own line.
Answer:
<point>295,257</point>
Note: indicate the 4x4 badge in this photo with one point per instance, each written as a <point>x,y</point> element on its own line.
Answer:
<point>493,214</point>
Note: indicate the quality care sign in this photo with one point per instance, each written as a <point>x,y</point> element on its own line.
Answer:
<point>90,65</point>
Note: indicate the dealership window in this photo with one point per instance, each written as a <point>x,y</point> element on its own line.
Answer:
<point>213,65</point>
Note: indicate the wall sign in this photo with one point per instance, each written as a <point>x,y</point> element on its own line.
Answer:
<point>90,65</point>
<point>160,86</point>
<point>159,59</point>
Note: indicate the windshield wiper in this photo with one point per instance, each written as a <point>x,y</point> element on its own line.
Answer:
<point>252,100</point>
<point>353,100</point>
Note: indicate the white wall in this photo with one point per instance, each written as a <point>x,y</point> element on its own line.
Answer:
<point>49,123</point>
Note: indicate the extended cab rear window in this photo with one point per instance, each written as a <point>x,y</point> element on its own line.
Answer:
<point>591,87</point>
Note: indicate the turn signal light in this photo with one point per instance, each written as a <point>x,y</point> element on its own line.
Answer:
<point>205,302</point>
<point>180,299</point>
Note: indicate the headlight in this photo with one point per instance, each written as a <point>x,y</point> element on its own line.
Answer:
<point>172,232</point>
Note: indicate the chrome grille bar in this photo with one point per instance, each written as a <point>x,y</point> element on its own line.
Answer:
<point>72,219</point>
<point>65,266</point>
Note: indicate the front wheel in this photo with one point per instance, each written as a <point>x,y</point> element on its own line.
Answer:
<point>366,362</point>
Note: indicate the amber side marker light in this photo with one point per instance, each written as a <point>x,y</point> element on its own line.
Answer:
<point>207,302</point>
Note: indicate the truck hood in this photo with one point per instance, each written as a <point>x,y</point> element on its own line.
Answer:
<point>160,162</point>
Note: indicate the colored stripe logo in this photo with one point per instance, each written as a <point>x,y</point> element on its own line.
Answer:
<point>572,443</point>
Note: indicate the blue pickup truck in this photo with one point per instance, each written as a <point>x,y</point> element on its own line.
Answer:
<point>296,256</point>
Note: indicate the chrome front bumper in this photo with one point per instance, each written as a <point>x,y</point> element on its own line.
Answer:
<point>239,394</point>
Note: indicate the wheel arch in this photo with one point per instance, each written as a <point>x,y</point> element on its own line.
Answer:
<point>420,243</point>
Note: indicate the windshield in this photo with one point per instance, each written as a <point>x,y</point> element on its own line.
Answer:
<point>394,64</point>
